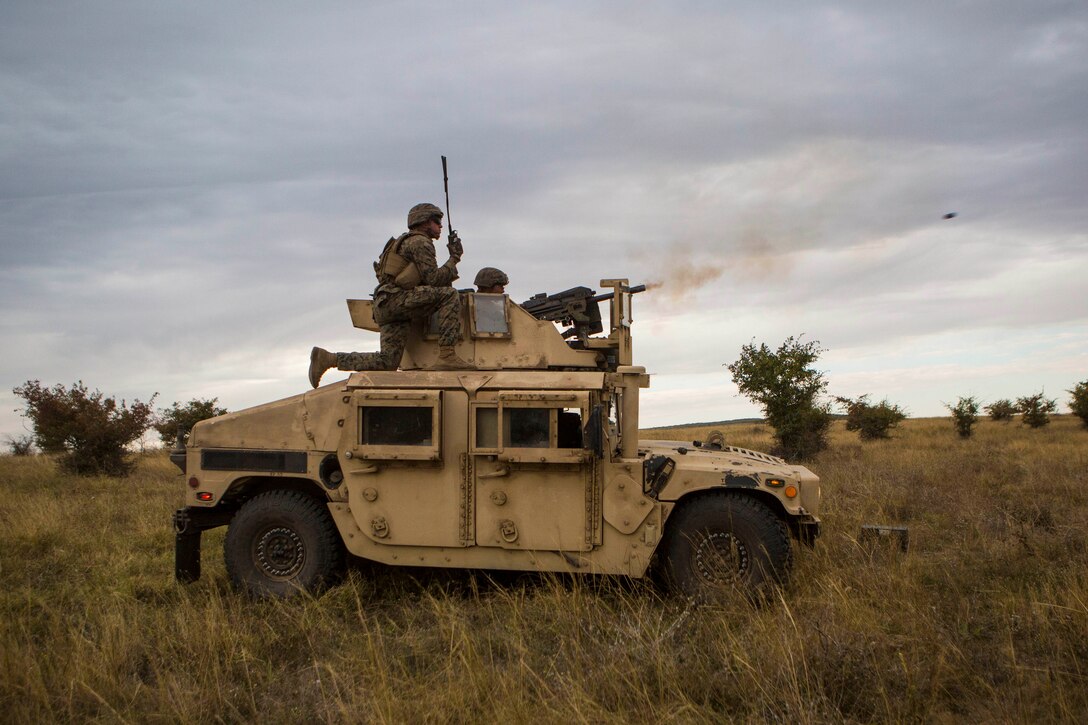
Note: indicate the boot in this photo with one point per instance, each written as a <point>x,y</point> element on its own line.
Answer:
<point>448,360</point>
<point>320,361</point>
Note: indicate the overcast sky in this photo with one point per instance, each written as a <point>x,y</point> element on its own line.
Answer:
<point>189,191</point>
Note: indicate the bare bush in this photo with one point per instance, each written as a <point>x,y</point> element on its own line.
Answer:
<point>21,445</point>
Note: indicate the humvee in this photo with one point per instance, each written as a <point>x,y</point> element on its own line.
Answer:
<point>529,462</point>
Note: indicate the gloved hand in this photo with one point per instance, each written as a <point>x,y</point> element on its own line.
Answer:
<point>455,247</point>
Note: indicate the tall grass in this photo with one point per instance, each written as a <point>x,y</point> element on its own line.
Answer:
<point>984,619</point>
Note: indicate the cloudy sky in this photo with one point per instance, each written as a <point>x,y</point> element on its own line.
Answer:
<point>189,191</point>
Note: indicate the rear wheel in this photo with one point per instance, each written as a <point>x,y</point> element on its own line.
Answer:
<point>720,541</point>
<point>281,543</point>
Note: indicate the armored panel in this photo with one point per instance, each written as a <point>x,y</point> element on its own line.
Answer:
<point>362,314</point>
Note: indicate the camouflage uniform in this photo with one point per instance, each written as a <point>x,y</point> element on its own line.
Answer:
<point>396,308</point>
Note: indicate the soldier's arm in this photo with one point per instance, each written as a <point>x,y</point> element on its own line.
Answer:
<point>421,251</point>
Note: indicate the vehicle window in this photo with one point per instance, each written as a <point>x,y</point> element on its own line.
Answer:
<point>525,428</point>
<point>396,426</point>
<point>487,427</point>
<point>491,313</point>
<point>529,427</point>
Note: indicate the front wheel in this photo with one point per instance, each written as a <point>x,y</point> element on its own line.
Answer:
<point>721,541</point>
<point>281,543</point>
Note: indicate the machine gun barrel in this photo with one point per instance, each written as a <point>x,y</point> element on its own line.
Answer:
<point>608,295</point>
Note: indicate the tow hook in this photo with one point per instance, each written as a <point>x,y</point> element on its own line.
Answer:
<point>182,521</point>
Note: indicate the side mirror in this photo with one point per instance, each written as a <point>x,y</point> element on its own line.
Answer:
<point>592,435</point>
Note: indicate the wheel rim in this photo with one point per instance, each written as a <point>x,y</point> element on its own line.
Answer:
<point>720,558</point>
<point>279,553</point>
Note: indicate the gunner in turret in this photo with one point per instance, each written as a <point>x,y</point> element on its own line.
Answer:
<point>411,286</point>
<point>490,280</point>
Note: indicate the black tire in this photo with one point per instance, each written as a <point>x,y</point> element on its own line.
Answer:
<point>721,541</point>
<point>281,543</point>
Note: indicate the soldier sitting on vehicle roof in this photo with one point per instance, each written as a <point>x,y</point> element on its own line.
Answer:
<point>491,281</point>
<point>411,286</point>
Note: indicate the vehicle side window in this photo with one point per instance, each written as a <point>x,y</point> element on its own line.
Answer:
<point>396,426</point>
<point>390,425</point>
<point>487,427</point>
<point>529,427</point>
<point>489,316</point>
<point>526,428</point>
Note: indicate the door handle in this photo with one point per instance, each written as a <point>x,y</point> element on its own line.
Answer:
<point>498,473</point>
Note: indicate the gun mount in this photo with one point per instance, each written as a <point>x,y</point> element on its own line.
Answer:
<point>578,309</point>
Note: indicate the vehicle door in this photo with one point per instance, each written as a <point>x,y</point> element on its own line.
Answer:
<point>535,482</point>
<point>402,453</point>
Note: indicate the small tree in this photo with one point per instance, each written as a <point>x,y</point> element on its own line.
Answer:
<point>178,419</point>
<point>1079,402</point>
<point>871,421</point>
<point>785,385</point>
<point>1034,411</point>
<point>1002,410</point>
<point>88,430</point>
<point>964,415</point>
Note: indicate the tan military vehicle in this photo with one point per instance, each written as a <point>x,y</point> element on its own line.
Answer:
<point>530,462</point>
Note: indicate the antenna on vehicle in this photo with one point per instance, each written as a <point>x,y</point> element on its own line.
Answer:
<point>446,185</point>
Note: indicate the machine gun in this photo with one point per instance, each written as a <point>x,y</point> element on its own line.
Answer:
<point>576,308</point>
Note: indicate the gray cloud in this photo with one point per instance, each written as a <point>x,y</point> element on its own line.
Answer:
<point>188,192</point>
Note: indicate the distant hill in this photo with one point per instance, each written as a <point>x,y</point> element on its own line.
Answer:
<point>704,425</point>
<point>834,416</point>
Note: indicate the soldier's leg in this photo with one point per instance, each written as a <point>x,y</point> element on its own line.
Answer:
<point>421,302</point>
<point>449,319</point>
<point>353,361</point>
<point>446,304</point>
<point>394,318</point>
<point>394,337</point>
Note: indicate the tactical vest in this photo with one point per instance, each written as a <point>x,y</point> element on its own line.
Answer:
<point>392,267</point>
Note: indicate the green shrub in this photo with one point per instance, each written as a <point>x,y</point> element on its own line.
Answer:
<point>871,421</point>
<point>178,419</point>
<point>1002,410</point>
<point>1034,411</point>
<point>87,429</point>
<point>964,415</point>
<point>785,385</point>
<point>1079,402</point>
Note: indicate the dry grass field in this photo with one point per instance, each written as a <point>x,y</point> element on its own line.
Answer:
<point>985,619</point>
